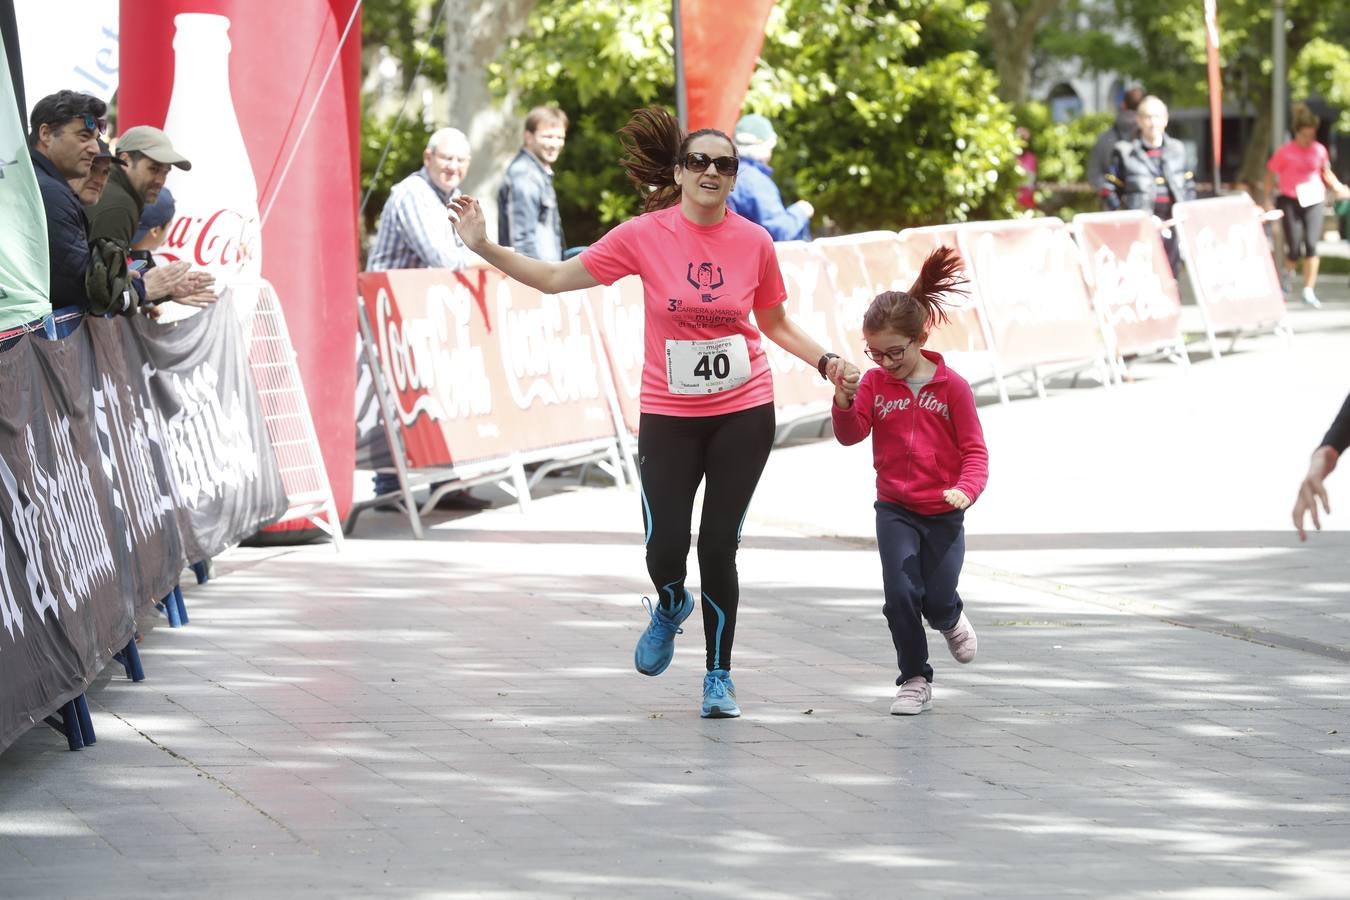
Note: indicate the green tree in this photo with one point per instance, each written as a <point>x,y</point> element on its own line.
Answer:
<point>1161,43</point>
<point>397,31</point>
<point>886,115</point>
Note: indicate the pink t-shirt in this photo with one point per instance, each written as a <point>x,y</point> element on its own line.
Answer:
<point>702,354</point>
<point>1294,165</point>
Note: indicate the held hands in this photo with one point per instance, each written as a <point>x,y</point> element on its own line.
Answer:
<point>845,376</point>
<point>1312,489</point>
<point>467,217</point>
<point>957,498</point>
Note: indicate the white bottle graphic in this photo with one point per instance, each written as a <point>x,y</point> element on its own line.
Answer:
<point>216,225</point>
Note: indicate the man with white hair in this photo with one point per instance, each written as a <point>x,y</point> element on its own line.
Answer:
<point>415,233</point>
<point>755,196</point>
<point>415,230</point>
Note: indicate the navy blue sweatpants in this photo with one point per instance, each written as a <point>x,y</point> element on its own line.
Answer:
<point>921,560</point>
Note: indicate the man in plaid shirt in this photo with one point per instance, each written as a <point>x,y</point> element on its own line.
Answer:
<point>415,233</point>
<point>415,230</point>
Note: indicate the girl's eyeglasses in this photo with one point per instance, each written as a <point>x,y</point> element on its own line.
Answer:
<point>893,356</point>
<point>699,162</point>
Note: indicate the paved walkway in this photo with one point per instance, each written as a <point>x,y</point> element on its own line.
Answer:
<point>1159,707</point>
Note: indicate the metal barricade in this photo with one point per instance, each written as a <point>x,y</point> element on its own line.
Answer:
<point>281,393</point>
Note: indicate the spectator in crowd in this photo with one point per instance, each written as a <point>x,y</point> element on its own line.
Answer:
<point>1303,169</point>
<point>147,155</point>
<point>415,233</point>
<point>90,188</point>
<point>1149,173</point>
<point>63,141</point>
<point>528,220</point>
<point>153,228</point>
<point>1126,128</point>
<point>755,196</point>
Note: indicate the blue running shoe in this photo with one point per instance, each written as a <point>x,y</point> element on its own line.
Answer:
<point>656,647</point>
<point>719,696</point>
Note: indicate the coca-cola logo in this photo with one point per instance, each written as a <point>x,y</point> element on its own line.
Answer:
<point>1030,278</point>
<point>224,239</point>
<point>547,350</point>
<point>431,360</point>
<point>1131,289</point>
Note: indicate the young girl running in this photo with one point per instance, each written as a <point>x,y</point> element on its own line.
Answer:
<point>931,462</point>
<point>707,392</point>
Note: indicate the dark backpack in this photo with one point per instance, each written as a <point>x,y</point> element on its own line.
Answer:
<point>108,282</point>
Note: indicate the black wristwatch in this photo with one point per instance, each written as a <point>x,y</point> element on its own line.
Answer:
<point>825,361</point>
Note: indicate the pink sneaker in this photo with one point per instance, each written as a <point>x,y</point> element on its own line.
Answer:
<point>961,640</point>
<point>913,697</point>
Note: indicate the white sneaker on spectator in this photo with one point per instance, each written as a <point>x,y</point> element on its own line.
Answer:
<point>961,640</point>
<point>913,697</point>
<point>1310,298</point>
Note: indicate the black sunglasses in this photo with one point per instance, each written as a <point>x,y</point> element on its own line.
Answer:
<point>699,162</point>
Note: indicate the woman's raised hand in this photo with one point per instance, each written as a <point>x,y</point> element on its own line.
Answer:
<point>467,217</point>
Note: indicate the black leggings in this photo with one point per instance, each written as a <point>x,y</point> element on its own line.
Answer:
<point>1302,227</point>
<point>675,453</point>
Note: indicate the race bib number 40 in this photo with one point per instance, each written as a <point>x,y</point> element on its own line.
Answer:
<point>707,367</point>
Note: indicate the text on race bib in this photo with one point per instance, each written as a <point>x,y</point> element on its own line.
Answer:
<point>707,367</point>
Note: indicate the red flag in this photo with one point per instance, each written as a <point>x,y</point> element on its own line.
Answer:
<point>1215,84</point>
<point>720,43</point>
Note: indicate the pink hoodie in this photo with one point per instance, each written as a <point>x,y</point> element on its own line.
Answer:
<point>921,446</point>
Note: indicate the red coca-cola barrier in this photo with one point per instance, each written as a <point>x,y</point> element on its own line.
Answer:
<point>294,81</point>
<point>1132,285</point>
<point>466,395</point>
<point>1026,278</point>
<point>811,304</point>
<point>1229,263</point>
<point>618,310</point>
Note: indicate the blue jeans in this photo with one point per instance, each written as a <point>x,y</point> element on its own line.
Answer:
<point>56,330</point>
<point>921,559</point>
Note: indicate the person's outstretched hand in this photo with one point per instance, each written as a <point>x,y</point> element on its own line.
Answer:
<point>1313,489</point>
<point>467,217</point>
<point>957,498</point>
<point>805,207</point>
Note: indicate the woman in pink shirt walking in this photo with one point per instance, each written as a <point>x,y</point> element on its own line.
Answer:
<point>711,289</point>
<point>1303,168</point>
<point>929,453</point>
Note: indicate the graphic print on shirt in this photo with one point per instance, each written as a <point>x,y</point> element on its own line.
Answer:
<point>707,366</point>
<point>704,282</point>
<point>927,400</point>
<point>705,278</point>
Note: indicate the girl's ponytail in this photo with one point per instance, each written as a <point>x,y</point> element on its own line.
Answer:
<point>917,310</point>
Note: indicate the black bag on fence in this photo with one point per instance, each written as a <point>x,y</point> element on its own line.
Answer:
<point>108,282</point>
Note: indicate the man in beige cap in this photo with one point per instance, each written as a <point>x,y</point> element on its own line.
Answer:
<point>146,155</point>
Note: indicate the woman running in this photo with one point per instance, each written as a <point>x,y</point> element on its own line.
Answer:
<point>711,288</point>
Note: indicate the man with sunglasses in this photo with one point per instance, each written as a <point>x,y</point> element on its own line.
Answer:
<point>755,195</point>
<point>63,140</point>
